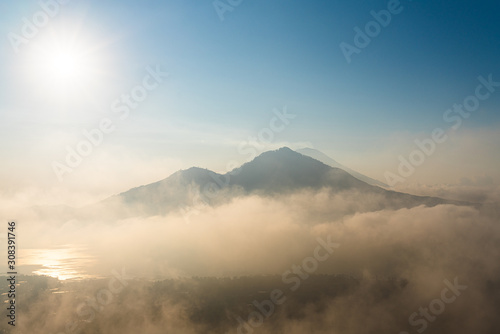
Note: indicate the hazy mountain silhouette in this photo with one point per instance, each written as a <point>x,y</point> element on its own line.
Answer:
<point>273,173</point>
<point>285,170</point>
<point>320,156</point>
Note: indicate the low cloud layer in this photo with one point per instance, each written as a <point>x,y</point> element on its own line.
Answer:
<point>398,259</point>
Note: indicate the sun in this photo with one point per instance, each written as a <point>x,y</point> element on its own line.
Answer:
<point>63,65</point>
<point>66,65</point>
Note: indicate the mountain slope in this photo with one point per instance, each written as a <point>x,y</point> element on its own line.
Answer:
<point>286,170</point>
<point>176,191</point>
<point>274,173</point>
<point>320,156</point>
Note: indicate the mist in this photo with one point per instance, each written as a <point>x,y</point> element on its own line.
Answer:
<point>178,267</point>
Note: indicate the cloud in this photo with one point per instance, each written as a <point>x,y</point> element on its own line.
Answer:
<point>398,259</point>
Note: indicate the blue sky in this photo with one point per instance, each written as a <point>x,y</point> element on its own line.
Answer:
<point>226,77</point>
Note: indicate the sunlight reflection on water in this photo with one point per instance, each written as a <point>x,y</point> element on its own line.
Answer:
<point>66,262</point>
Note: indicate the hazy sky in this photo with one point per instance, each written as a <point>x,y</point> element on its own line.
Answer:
<point>229,72</point>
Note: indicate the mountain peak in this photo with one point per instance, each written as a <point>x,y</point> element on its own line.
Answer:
<point>284,153</point>
<point>285,149</point>
<point>283,170</point>
<point>280,153</point>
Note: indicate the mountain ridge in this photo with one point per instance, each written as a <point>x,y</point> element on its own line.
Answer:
<point>272,173</point>
<point>320,156</point>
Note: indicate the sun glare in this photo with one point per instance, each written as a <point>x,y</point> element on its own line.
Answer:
<point>64,66</point>
<point>63,263</point>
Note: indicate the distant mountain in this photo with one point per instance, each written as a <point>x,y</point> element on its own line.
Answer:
<point>285,170</point>
<point>320,156</point>
<point>179,190</point>
<point>272,173</point>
